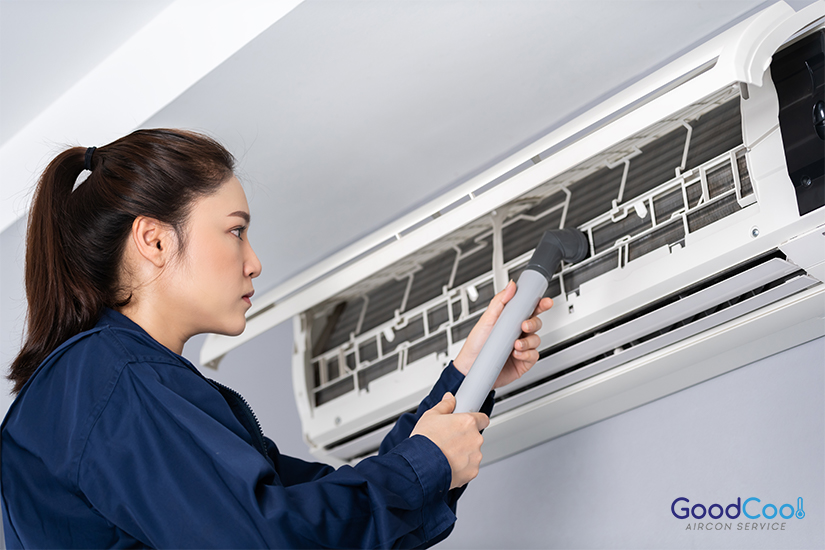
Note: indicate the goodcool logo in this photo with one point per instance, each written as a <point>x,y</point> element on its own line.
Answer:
<point>751,508</point>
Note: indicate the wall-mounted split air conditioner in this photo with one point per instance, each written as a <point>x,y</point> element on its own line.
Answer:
<point>701,191</point>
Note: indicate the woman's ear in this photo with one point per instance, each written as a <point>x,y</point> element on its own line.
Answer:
<point>153,240</point>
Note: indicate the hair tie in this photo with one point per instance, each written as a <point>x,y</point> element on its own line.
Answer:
<point>87,162</point>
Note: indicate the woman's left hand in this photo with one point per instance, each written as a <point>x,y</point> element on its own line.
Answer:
<point>525,352</point>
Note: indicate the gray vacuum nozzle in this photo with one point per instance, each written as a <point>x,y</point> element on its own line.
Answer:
<point>556,245</point>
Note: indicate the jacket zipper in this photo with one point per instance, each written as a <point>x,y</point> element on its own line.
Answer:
<point>250,414</point>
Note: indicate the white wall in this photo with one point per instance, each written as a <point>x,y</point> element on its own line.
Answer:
<point>12,301</point>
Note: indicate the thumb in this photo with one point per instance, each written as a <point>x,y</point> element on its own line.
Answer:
<point>446,405</point>
<point>500,300</point>
<point>482,420</point>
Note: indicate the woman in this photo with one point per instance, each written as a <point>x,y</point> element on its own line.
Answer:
<point>116,440</point>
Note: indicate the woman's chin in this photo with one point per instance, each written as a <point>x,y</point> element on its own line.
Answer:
<point>237,331</point>
<point>233,329</point>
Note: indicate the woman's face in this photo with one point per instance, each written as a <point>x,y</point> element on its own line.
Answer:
<point>212,282</point>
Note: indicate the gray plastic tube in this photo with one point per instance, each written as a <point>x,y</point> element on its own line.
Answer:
<point>568,244</point>
<point>470,396</point>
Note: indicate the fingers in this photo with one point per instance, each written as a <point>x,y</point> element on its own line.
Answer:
<point>507,294</point>
<point>544,305</point>
<point>531,341</point>
<point>500,300</point>
<point>457,435</point>
<point>531,325</point>
<point>529,356</point>
<point>446,405</point>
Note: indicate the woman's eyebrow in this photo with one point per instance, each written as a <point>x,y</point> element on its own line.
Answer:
<point>241,214</point>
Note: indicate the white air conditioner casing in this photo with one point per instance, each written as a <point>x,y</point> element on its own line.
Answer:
<point>705,256</point>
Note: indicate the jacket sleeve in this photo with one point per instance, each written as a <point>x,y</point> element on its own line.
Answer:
<point>176,469</point>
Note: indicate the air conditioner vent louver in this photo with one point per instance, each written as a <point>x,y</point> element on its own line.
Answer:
<point>675,318</point>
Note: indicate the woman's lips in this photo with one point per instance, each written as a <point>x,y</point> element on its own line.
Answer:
<point>247,297</point>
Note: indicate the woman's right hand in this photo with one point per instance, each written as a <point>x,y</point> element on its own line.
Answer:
<point>457,435</point>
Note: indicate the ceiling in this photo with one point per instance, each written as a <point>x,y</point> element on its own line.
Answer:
<point>346,114</point>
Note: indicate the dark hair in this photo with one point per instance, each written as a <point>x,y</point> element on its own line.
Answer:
<point>76,238</point>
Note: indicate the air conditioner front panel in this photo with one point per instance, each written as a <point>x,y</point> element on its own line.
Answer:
<point>554,372</point>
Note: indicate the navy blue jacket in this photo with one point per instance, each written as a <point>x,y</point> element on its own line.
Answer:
<point>118,442</point>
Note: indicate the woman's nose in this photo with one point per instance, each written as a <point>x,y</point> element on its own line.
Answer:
<point>253,264</point>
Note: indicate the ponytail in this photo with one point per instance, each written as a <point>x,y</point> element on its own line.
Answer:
<point>76,237</point>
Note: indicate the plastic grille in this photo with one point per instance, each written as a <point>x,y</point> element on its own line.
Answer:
<point>437,317</point>
<point>485,294</point>
<point>574,279</point>
<point>476,259</point>
<point>376,371</point>
<point>327,394</point>
<point>670,233</point>
<point>606,234</point>
<point>656,164</point>
<point>714,211</point>
<point>368,351</point>
<point>429,282</point>
<point>659,199</point>
<point>413,331</point>
<point>667,204</point>
<point>382,304</point>
<point>434,344</point>
<point>718,130</point>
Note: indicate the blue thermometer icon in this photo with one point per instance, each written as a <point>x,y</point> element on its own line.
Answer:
<point>800,513</point>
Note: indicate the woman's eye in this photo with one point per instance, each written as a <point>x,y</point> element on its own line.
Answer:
<point>238,231</point>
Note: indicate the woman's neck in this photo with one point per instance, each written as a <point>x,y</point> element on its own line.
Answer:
<point>156,323</point>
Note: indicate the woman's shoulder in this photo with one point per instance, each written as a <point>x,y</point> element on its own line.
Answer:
<point>81,381</point>
<point>83,371</point>
<point>95,355</point>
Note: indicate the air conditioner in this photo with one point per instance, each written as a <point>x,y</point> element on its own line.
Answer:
<point>701,191</point>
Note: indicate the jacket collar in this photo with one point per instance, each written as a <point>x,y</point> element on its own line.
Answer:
<point>116,320</point>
